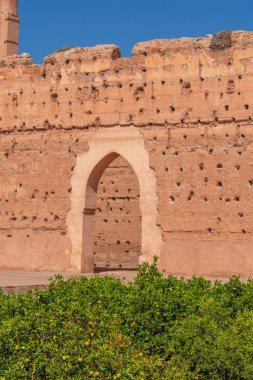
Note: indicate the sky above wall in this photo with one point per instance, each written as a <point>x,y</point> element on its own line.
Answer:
<point>49,25</point>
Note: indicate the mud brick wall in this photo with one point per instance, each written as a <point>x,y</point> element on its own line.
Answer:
<point>34,198</point>
<point>190,102</point>
<point>118,218</point>
<point>204,177</point>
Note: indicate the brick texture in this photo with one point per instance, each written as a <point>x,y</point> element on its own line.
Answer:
<point>191,100</point>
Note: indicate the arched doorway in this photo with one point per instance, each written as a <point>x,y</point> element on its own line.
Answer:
<point>112,216</point>
<point>104,146</point>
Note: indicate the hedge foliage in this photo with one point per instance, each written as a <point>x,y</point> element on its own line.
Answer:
<point>153,328</point>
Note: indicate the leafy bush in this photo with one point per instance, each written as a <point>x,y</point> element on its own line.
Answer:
<point>154,328</point>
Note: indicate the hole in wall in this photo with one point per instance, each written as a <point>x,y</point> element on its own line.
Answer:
<point>186,88</point>
<point>230,86</point>
<point>190,196</point>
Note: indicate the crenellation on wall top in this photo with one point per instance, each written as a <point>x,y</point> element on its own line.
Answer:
<point>173,84</point>
<point>111,52</point>
<point>11,61</point>
<point>218,43</point>
<point>163,46</point>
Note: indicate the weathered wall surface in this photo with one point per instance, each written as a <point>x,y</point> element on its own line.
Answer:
<point>118,218</point>
<point>34,199</point>
<point>191,100</point>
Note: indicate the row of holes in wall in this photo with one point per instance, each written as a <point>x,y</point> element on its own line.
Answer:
<point>186,89</point>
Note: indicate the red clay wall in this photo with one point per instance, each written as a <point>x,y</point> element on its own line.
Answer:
<point>118,218</point>
<point>191,99</point>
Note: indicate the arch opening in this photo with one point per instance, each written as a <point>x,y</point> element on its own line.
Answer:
<point>111,217</point>
<point>104,146</point>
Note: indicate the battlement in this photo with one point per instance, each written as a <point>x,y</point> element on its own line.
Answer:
<point>165,82</point>
<point>220,43</point>
<point>220,46</point>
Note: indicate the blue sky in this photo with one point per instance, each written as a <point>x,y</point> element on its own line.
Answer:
<point>47,25</point>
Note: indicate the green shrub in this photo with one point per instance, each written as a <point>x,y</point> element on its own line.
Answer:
<point>154,328</point>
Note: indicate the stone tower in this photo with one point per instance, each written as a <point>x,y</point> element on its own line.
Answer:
<point>9,27</point>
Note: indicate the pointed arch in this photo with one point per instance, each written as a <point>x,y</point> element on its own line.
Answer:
<point>89,214</point>
<point>104,147</point>
<point>94,177</point>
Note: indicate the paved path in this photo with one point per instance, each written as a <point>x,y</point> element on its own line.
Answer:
<point>17,281</point>
<point>14,281</point>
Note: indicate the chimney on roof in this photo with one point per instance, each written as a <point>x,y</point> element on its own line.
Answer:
<point>9,27</point>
